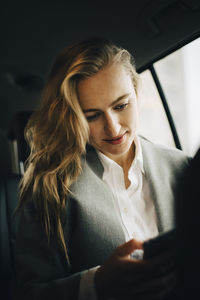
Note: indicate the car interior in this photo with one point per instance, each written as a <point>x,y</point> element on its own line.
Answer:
<point>33,32</point>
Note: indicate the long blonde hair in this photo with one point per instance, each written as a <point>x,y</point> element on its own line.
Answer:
<point>58,131</point>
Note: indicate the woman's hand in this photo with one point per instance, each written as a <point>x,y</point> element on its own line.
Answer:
<point>122,277</point>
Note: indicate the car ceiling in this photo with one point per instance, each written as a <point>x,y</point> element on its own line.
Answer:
<point>32,32</point>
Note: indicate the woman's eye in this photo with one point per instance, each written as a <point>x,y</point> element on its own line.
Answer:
<point>93,117</point>
<point>121,106</point>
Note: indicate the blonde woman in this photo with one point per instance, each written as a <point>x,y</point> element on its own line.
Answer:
<point>93,190</point>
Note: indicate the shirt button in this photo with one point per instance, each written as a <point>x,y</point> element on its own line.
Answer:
<point>134,235</point>
<point>125,210</point>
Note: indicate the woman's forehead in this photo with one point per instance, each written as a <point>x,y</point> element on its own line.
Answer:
<point>106,86</point>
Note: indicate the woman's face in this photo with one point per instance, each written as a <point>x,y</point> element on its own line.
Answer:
<point>108,101</point>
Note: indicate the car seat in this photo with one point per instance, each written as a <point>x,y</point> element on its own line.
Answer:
<point>9,185</point>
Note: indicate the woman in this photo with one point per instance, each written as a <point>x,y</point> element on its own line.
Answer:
<point>93,191</point>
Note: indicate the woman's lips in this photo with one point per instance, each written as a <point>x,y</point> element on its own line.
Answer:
<point>116,140</point>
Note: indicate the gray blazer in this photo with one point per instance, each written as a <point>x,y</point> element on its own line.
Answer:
<point>92,226</point>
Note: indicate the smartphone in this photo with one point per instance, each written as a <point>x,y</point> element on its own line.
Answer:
<point>164,242</point>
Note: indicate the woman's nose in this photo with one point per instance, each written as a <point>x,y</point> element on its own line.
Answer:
<point>112,126</point>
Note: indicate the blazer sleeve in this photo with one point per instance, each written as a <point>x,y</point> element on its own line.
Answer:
<point>41,270</point>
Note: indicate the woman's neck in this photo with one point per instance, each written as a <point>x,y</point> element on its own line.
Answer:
<point>125,163</point>
<point>126,160</point>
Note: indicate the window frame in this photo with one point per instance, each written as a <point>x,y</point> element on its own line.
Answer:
<point>150,67</point>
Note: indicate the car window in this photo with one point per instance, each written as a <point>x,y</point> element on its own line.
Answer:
<point>179,75</point>
<point>153,123</point>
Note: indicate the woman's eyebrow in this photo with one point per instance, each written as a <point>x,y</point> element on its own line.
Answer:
<point>113,103</point>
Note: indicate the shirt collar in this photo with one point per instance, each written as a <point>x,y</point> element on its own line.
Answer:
<point>109,163</point>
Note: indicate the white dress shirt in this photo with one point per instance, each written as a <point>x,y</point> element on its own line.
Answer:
<point>135,206</point>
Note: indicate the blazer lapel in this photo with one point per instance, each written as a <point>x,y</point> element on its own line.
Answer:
<point>94,162</point>
<point>158,175</point>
